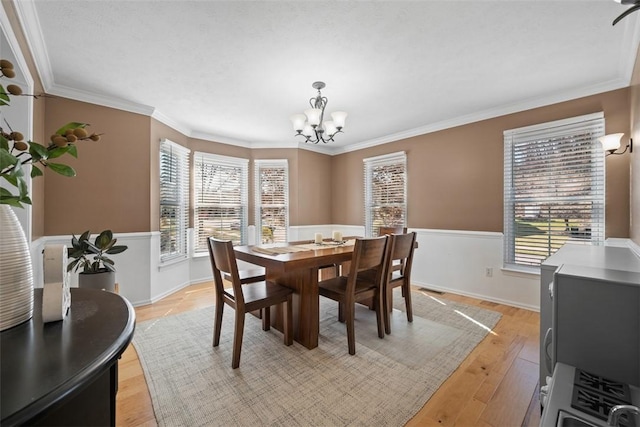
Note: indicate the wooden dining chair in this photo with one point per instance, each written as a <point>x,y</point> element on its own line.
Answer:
<point>399,248</point>
<point>244,297</point>
<point>368,255</point>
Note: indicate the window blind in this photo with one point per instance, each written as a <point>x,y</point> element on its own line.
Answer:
<point>554,188</point>
<point>174,200</point>
<point>385,184</point>
<point>272,200</point>
<point>220,199</point>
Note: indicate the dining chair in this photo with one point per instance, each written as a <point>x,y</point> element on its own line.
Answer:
<point>399,248</point>
<point>368,255</point>
<point>244,297</point>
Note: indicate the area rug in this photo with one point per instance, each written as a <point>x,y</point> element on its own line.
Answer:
<point>385,383</point>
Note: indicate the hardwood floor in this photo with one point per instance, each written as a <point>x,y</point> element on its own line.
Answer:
<point>495,385</point>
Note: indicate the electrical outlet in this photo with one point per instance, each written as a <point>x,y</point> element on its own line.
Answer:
<point>488,272</point>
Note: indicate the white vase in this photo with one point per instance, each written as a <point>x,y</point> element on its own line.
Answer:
<point>16,274</point>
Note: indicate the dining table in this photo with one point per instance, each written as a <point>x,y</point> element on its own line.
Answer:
<point>296,266</point>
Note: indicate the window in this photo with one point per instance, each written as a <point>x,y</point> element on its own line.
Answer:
<point>174,200</point>
<point>221,199</point>
<point>272,200</point>
<point>385,186</point>
<point>553,188</point>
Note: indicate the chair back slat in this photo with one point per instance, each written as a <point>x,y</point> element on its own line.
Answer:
<point>396,229</point>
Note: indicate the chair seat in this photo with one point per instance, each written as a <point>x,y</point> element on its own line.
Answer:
<point>334,288</point>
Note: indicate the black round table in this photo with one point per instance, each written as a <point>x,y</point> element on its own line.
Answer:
<point>65,372</point>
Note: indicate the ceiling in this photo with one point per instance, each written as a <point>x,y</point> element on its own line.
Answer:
<point>234,71</point>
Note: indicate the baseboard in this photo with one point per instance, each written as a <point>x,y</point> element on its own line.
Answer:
<point>431,287</point>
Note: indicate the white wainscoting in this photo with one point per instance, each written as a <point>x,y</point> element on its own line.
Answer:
<point>449,261</point>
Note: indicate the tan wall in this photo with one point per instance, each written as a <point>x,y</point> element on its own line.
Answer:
<point>314,188</point>
<point>635,156</point>
<point>455,176</point>
<point>111,189</point>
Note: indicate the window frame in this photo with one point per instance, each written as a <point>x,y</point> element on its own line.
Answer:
<point>392,159</point>
<point>179,155</point>
<point>572,135</point>
<point>259,205</point>
<point>202,159</point>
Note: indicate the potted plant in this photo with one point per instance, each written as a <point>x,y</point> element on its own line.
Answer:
<point>16,279</point>
<point>97,269</point>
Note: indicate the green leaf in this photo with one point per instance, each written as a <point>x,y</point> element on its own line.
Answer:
<point>38,151</point>
<point>6,198</point>
<point>103,240</point>
<point>6,158</point>
<point>72,125</point>
<point>117,249</point>
<point>4,143</point>
<point>72,150</point>
<point>62,169</point>
<point>35,171</point>
<point>57,152</point>
<point>11,201</point>
<point>4,98</point>
<point>73,264</point>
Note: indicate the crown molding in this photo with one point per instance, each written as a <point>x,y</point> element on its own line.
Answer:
<point>488,114</point>
<point>103,100</point>
<point>173,124</point>
<point>30,24</point>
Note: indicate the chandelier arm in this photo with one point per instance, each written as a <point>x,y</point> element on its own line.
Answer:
<point>625,13</point>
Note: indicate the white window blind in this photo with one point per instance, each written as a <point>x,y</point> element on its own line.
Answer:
<point>554,188</point>
<point>220,199</point>
<point>272,200</point>
<point>385,186</point>
<point>174,200</point>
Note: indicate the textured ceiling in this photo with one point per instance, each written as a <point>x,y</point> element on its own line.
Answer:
<point>234,71</point>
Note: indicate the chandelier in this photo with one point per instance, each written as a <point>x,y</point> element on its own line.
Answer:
<point>311,124</point>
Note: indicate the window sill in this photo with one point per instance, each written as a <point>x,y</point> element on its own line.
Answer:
<point>517,270</point>
<point>172,262</point>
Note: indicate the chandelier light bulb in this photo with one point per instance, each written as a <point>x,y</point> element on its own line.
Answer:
<point>339,118</point>
<point>330,128</point>
<point>298,121</point>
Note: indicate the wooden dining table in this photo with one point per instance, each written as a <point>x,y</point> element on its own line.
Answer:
<point>296,266</point>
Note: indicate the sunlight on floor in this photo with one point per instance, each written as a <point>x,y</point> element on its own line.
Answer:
<point>460,313</point>
<point>476,322</point>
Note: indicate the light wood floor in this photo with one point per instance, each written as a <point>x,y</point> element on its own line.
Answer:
<point>494,386</point>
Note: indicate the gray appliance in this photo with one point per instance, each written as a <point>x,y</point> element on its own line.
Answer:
<point>596,321</point>
<point>605,257</point>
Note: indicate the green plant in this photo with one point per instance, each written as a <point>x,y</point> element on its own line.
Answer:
<point>15,152</point>
<point>92,257</point>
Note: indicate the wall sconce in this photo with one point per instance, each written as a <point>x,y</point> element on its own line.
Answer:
<point>611,142</point>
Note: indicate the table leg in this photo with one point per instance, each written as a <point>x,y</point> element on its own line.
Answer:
<point>306,305</point>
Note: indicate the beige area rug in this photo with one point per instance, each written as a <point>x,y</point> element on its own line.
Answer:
<point>385,383</point>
